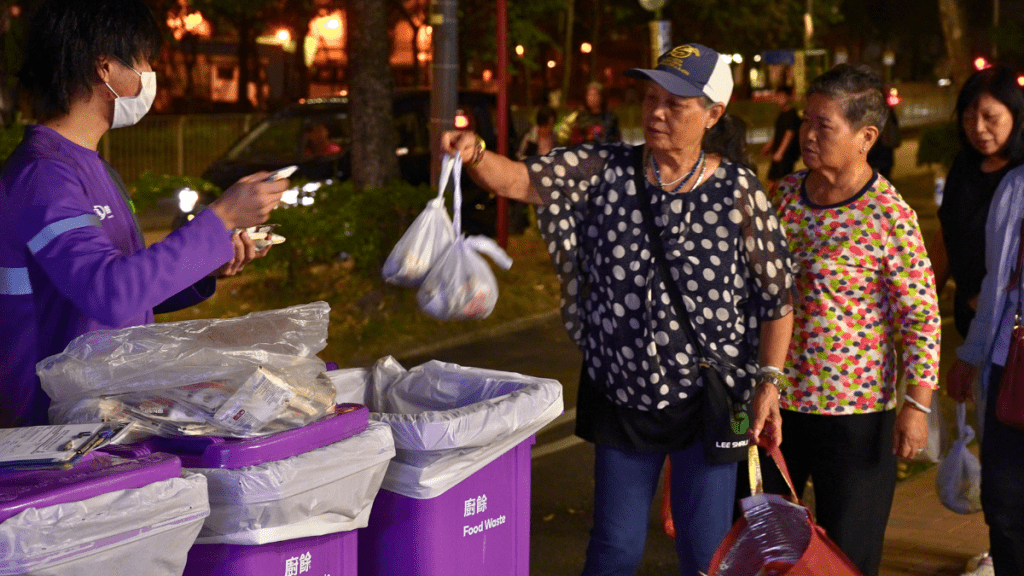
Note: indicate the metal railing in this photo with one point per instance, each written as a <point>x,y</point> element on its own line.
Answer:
<point>182,145</point>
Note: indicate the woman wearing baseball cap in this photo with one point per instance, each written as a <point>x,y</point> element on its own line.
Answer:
<point>721,246</point>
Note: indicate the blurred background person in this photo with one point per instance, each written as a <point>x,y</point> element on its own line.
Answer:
<point>979,239</point>
<point>541,137</point>
<point>784,147</point>
<point>593,123</point>
<point>318,141</point>
<point>864,283</point>
<point>882,156</point>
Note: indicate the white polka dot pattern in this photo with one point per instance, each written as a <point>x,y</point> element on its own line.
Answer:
<point>725,249</point>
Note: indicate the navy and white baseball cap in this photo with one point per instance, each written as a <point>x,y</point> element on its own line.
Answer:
<point>690,70</point>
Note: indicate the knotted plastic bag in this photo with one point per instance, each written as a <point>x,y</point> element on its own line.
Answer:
<point>460,285</point>
<point>423,243</point>
<point>959,477</point>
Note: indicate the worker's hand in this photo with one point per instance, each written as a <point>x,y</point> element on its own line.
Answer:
<point>459,141</point>
<point>249,201</point>
<point>245,252</point>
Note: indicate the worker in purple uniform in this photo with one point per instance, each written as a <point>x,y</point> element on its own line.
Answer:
<point>72,256</point>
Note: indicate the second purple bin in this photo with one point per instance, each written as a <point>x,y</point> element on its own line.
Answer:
<point>289,502</point>
<point>480,526</point>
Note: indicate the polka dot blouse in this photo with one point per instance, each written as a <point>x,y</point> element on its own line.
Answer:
<point>725,249</point>
<point>862,275</point>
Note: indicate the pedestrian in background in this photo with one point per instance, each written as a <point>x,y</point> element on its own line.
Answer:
<point>862,276</point>
<point>784,147</point>
<point>72,255</point>
<point>991,125</point>
<point>988,111</point>
<point>882,156</point>
<point>640,394</point>
<point>592,123</point>
<point>541,137</point>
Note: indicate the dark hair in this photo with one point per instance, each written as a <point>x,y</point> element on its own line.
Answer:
<point>728,138</point>
<point>1001,83</point>
<point>858,89</point>
<point>67,37</point>
<point>545,114</point>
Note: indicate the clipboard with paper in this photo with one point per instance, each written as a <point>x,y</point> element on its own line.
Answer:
<point>57,446</point>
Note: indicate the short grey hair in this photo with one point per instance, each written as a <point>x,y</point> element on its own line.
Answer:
<point>858,89</point>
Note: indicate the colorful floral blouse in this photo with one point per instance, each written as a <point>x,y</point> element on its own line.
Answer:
<point>862,274</point>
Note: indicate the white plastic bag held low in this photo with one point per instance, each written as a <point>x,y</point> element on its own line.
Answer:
<point>423,243</point>
<point>959,476</point>
<point>460,285</point>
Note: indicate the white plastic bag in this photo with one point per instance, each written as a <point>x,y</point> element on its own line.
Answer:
<point>424,242</point>
<point>959,476</point>
<point>448,421</point>
<point>239,377</point>
<point>460,284</point>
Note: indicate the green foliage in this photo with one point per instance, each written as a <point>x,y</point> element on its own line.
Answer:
<point>151,187</point>
<point>344,225</point>
<point>9,139</point>
<point>938,145</point>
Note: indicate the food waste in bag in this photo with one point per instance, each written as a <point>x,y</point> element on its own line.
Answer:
<point>455,282</point>
<point>238,377</point>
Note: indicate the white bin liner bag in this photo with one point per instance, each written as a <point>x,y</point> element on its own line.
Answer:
<point>323,491</point>
<point>145,530</point>
<point>449,421</point>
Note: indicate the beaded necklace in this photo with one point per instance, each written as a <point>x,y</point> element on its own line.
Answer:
<point>682,180</point>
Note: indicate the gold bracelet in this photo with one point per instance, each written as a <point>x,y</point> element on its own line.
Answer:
<point>479,157</point>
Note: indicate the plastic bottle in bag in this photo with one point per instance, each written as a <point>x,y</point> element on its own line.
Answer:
<point>780,529</point>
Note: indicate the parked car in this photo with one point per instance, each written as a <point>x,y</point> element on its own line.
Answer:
<point>316,136</point>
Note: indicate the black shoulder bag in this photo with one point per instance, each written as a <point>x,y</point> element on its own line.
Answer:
<point>726,419</point>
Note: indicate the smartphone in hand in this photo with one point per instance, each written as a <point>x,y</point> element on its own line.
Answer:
<point>281,174</point>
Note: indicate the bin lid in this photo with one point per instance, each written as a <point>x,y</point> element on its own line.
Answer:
<point>96,474</point>
<point>216,452</point>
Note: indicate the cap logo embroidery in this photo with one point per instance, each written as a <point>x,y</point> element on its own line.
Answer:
<point>674,59</point>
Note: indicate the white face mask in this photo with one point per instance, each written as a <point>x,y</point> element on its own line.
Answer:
<point>128,110</point>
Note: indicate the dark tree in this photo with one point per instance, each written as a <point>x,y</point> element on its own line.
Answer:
<point>370,93</point>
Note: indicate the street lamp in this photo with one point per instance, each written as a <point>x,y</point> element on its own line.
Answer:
<point>661,30</point>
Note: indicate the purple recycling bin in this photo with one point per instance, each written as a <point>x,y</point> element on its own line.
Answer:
<point>481,526</point>
<point>333,554</point>
<point>107,515</point>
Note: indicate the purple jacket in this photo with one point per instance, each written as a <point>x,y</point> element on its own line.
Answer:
<point>73,260</point>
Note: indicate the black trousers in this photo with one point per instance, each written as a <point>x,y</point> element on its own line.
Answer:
<point>1002,486</point>
<point>851,462</point>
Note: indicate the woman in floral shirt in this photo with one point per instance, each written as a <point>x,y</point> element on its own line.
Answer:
<point>863,276</point>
